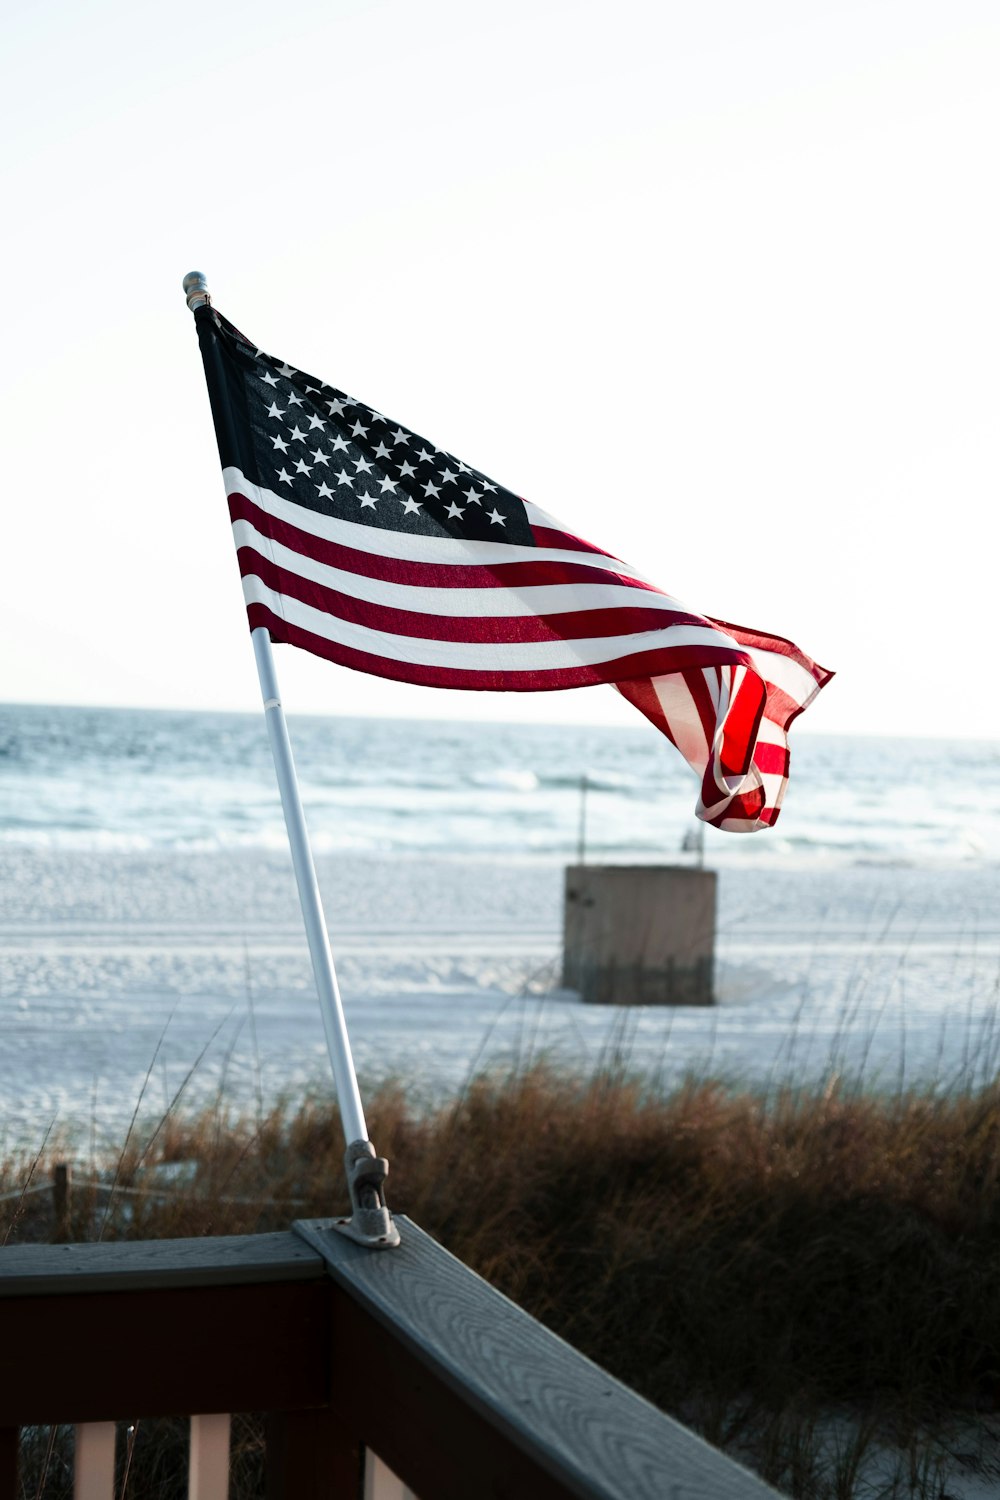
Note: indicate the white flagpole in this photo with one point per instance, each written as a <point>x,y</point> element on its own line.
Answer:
<point>337,1041</point>
<point>370,1223</point>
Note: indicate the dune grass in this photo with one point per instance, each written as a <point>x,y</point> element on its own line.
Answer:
<point>812,1280</point>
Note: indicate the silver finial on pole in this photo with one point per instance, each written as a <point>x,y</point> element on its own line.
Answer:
<point>196,290</point>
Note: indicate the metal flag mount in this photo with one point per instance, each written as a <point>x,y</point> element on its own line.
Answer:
<point>370,1222</point>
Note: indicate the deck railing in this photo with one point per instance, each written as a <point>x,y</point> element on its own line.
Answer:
<point>383,1376</point>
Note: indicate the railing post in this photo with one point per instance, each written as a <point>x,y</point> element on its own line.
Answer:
<point>208,1468</point>
<point>94,1461</point>
<point>381,1483</point>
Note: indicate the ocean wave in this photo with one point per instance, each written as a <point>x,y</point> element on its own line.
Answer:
<point>145,780</point>
<point>506,781</point>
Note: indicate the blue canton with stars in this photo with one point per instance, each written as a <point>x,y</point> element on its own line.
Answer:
<point>321,449</point>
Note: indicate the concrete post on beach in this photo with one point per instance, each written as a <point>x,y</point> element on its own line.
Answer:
<point>639,934</point>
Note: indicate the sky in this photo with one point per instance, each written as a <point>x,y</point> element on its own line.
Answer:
<point>714,284</point>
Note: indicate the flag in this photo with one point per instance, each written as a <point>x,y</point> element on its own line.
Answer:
<point>364,543</point>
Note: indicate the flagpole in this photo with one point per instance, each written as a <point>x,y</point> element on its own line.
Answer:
<point>338,1043</point>
<point>370,1222</point>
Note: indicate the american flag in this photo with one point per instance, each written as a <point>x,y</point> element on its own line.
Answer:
<point>361,542</point>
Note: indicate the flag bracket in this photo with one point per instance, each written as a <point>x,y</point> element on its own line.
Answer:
<point>370,1223</point>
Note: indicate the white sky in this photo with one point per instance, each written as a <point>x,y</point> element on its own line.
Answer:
<point>716,284</point>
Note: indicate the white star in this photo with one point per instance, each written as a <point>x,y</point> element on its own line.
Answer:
<point>474,499</point>
<point>269,379</point>
<point>325,492</point>
<point>279,442</point>
<point>399,436</point>
<point>294,400</point>
<point>463,468</point>
<point>302,467</point>
<point>496,518</point>
<point>344,478</point>
<point>410,507</point>
<point>368,502</point>
<point>447,477</point>
<point>423,457</point>
<point>359,431</point>
<point>388,484</point>
<point>286,370</point>
<point>335,408</point>
<point>362,465</point>
<point>431,489</point>
<point>487,486</point>
<point>274,410</point>
<point>297,436</point>
<point>284,477</point>
<point>319,457</point>
<point>455,510</point>
<point>382,451</point>
<point>406,471</point>
<point>377,415</point>
<point>315,422</point>
<point>339,444</point>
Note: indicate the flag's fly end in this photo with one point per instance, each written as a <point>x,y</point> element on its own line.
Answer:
<point>196,290</point>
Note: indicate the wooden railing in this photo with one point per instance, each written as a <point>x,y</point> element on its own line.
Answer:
<point>384,1376</point>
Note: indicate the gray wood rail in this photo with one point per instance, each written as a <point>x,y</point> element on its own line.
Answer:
<point>469,1383</point>
<point>405,1352</point>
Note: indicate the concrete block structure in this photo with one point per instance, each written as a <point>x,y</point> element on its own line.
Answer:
<point>640,934</point>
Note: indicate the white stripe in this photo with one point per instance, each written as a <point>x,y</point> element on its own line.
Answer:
<point>773,783</point>
<point>474,656</point>
<point>771,733</point>
<point>538,517</point>
<point>785,673</point>
<point>548,599</point>
<point>681,714</point>
<point>410,546</point>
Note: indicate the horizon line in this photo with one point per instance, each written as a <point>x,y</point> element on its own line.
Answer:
<point>800,731</point>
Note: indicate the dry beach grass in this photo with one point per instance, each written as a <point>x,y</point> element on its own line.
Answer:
<point>811,1279</point>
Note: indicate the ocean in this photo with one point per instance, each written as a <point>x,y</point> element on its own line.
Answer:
<point>133,779</point>
<point>151,950</point>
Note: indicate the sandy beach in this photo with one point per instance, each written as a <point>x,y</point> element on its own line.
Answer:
<point>118,966</point>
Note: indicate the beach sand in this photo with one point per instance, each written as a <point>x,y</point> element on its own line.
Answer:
<point>116,965</point>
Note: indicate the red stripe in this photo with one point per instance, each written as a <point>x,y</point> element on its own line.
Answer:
<point>499,575</point>
<point>569,625</point>
<point>548,536</point>
<point>746,809</point>
<point>756,640</point>
<point>641,664</point>
<point>771,759</point>
<point>742,726</point>
<point>704,706</point>
<point>746,806</point>
<point>782,708</point>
